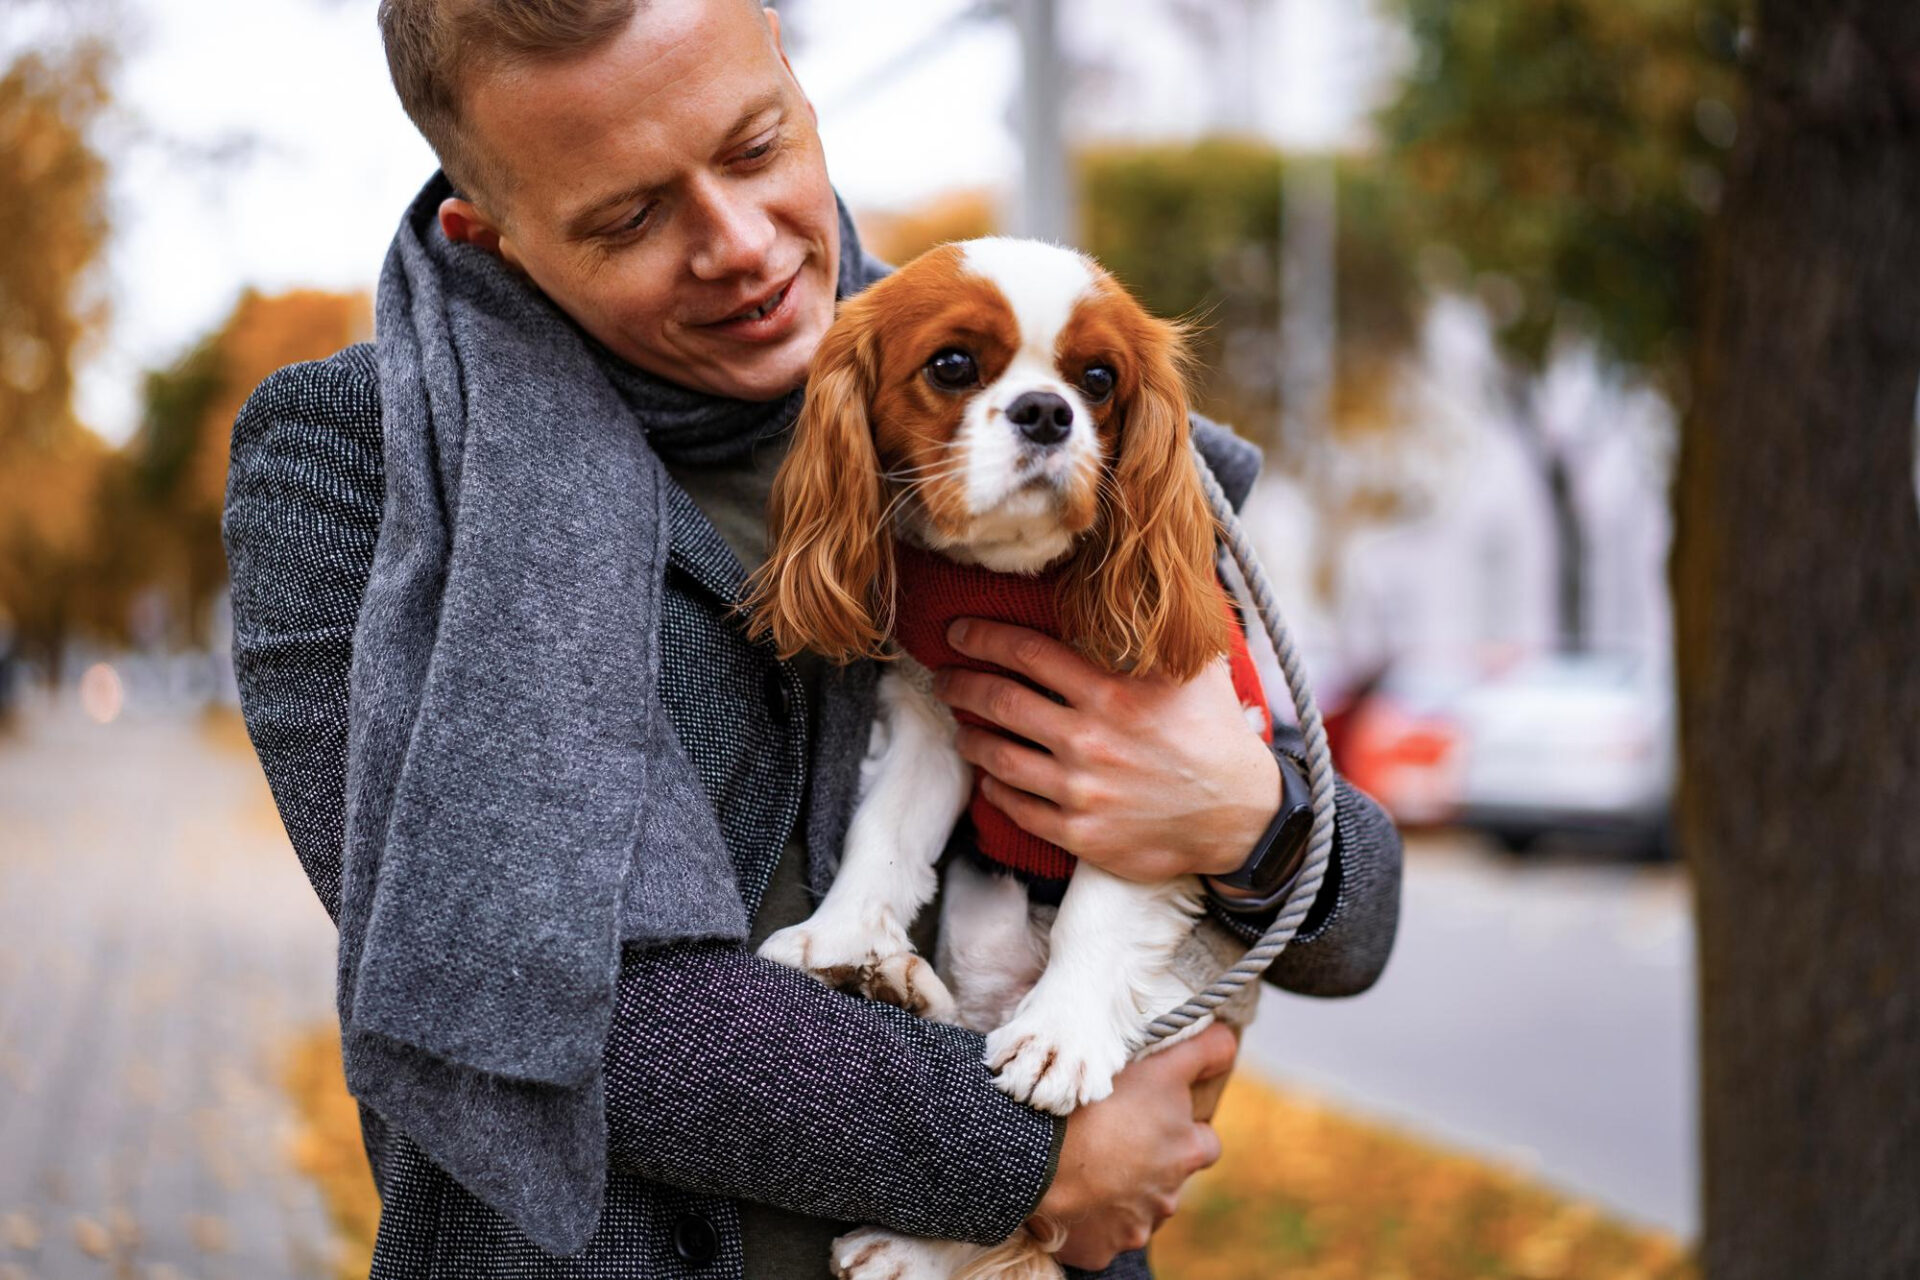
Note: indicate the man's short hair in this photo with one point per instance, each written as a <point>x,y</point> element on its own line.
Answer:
<point>434,48</point>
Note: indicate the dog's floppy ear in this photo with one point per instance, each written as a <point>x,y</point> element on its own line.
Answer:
<point>830,568</point>
<point>1142,595</point>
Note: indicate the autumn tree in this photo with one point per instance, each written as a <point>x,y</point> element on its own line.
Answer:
<point>53,226</point>
<point>169,493</point>
<point>1195,230</point>
<point>1565,154</point>
<point>1797,594</point>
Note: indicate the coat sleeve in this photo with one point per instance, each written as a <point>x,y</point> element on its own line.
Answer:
<point>725,1073</point>
<point>1343,944</point>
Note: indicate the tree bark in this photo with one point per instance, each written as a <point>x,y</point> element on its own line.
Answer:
<point>1796,580</point>
<point>1553,461</point>
<point>1569,552</point>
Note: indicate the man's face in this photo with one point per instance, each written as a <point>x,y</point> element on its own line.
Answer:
<point>668,191</point>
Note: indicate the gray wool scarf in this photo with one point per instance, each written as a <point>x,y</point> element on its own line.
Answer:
<point>518,807</point>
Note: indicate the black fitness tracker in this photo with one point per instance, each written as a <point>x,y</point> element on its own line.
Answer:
<point>1267,875</point>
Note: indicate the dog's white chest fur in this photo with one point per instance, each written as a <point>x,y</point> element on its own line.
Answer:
<point>1063,997</point>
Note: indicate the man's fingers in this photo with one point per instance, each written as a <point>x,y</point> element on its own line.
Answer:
<point>1040,658</point>
<point>1006,761</point>
<point>1207,1144</point>
<point>1030,813</point>
<point>1005,702</point>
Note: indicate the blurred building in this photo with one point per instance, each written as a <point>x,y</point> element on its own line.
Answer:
<point>1469,575</point>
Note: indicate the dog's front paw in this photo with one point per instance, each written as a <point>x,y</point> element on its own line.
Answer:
<point>1051,1059</point>
<point>793,946</point>
<point>877,963</point>
<point>907,980</point>
<point>872,1253</point>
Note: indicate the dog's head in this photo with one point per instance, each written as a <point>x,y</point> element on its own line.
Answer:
<point>1005,403</point>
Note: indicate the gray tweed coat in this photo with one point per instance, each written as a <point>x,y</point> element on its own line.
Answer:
<point>728,1077</point>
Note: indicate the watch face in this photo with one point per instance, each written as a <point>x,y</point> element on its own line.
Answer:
<point>1283,848</point>
<point>1287,851</point>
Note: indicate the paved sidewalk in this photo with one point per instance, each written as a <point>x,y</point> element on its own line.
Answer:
<point>1538,1011</point>
<point>158,946</point>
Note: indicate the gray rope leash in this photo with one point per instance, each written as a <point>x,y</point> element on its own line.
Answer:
<point>1319,781</point>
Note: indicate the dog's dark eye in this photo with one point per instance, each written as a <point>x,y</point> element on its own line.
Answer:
<point>1097,382</point>
<point>952,370</point>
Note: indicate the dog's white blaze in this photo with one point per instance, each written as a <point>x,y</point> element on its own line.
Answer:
<point>1042,284</point>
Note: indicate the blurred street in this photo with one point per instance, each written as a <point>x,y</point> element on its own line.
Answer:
<point>158,947</point>
<point>1539,1011</point>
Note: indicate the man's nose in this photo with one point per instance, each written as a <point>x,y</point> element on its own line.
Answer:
<point>735,236</point>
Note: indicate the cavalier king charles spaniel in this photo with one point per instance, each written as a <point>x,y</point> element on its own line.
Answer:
<point>998,429</point>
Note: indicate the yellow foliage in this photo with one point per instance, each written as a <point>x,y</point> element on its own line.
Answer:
<point>52,227</point>
<point>898,235</point>
<point>265,332</point>
<point>1306,1193</point>
<point>168,535</point>
<point>327,1148</point>
<point>1302,1192</point>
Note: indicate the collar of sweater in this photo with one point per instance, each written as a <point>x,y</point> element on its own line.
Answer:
<point>932,591</point>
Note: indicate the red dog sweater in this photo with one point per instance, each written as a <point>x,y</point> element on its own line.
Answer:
<point>933,591</point>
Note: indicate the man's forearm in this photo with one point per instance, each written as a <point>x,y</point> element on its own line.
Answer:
<point>733,1075</point>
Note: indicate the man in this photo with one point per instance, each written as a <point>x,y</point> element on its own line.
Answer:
<point>562,796</point>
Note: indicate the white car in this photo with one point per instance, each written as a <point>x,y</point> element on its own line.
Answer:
<point>1570,743</point>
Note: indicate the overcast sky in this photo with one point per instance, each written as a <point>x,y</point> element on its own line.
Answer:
<point>329,160</point>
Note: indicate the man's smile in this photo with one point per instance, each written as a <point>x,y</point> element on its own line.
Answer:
<point>763,319</point>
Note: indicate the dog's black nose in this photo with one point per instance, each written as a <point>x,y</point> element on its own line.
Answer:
<point>1042,416</point>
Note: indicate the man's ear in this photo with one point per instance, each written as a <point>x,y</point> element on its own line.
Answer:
<point>463,222</point>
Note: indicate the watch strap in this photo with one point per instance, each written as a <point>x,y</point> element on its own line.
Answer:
<point>1274,863</point>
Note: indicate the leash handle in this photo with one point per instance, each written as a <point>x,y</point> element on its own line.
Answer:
<point>1319,779</point>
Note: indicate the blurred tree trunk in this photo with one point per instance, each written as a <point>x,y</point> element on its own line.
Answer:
<point>1569,552</point>
<point>1554,462</point>
<point>1797,595</point>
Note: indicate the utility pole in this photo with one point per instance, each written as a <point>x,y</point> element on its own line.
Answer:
<point>1303,33</point>
<point>1043,208</point>
<point>1308,235</point>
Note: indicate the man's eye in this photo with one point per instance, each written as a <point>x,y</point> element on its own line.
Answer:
<point>638,220</point>
<point>1097,382</point>
<point>758,151</point>
<point>952,370</point>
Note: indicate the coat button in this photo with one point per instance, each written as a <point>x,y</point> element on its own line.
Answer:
<point>779,698</point>
<point>695,1240</point>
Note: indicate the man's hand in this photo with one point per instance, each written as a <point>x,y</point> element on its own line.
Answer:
<point>1125,1157</point>
<point>1141,775</point>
